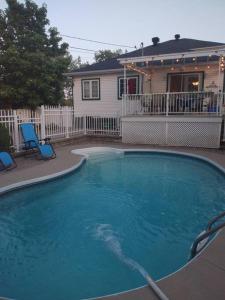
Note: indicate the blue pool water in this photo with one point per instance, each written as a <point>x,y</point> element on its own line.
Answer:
<point>92,232</point>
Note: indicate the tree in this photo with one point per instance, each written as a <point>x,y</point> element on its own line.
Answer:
<point>103,55</point>
<point>68,86</point>
<point>77,64</point>
<point>32,58</point>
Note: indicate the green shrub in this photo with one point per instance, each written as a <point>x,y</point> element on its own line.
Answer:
<point>4,138</point>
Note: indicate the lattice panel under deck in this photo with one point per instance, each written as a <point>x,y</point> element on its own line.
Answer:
<point>191,132</point>
<point>138,133</point>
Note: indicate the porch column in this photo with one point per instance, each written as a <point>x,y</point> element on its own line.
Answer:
<point>218,97</point>
<point>219,76</point>
<point>124,97</point>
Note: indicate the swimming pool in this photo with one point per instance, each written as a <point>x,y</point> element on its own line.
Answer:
<point>90,233</point>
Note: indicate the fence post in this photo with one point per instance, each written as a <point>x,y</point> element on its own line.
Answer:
<point>167,103</point>
<point>67,122</point>
<point>42,118</point>
<point>16,131</point>
<point>119,124</point>
<point>85,124</point>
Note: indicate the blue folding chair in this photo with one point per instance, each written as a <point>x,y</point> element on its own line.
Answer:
<point>7,162</point>
<point>31,141</point>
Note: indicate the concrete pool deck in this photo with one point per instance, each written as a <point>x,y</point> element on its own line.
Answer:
<point>202,278</point>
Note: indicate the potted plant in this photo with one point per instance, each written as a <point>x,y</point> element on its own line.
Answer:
<point>4,138</point>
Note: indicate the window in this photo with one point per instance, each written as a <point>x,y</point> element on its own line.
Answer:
<point>131,86</point>
<point>90,89</point>
<point>185,82</point>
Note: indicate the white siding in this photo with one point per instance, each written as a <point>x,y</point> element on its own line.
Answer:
<point>108,102</point>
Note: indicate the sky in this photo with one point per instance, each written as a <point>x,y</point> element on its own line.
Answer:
<point>130,22</point>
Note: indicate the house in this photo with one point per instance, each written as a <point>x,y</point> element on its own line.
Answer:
<point>177,78</point>
<point>161,67</point>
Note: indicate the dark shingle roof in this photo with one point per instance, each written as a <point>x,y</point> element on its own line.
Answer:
<point>171,46</point>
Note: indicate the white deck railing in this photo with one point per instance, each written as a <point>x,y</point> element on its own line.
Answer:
<point>58,123</point>
<point>173,104</point>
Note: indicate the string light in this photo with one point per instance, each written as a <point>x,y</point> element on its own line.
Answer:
<point>138,70</point>
<point>194,59</point>
<point>195,83</point>
<point>177,60</point>
<point>172,69</point>
<point>222,64</point>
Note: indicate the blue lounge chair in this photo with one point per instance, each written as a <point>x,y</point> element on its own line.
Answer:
<point>7,162</point>
<point>31,141</point>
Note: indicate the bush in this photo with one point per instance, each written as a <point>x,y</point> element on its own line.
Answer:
<point>4,138</point>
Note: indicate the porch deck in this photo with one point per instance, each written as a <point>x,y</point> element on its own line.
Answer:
<point>176,119</point>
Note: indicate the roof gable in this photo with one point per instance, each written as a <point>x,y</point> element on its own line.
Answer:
<point>171,46</point>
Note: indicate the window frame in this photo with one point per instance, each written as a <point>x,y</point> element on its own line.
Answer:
<point>90,82</point>
<point>202,73</point>
<point>127,77</point>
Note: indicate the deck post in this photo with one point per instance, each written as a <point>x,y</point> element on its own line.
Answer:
<point>219,89</point>
<point>221,103</point>
<point>124,98</point>
<point>167,103</point>
<point>16,130</point>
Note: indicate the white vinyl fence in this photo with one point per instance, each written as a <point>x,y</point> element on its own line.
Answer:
<point>58,123</point>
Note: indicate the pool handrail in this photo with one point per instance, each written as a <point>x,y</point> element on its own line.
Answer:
<point>206,234</point>
<point>215,219</point>
<point>152,284</point>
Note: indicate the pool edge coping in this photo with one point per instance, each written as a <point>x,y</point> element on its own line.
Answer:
<point>37,180</point>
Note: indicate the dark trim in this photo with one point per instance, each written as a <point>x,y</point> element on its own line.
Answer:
<point>99,85</point>
<point>129,76</point>
<point>178,73</point>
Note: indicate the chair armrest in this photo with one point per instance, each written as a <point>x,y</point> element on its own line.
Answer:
<point>29,143</point>
<point>47,140</point>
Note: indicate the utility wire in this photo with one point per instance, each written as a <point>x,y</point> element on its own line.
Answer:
<point>98,42</point>
<point>83,49</point>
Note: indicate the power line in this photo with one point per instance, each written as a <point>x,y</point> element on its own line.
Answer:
<point>98,42</point>
<point>83,49</point>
